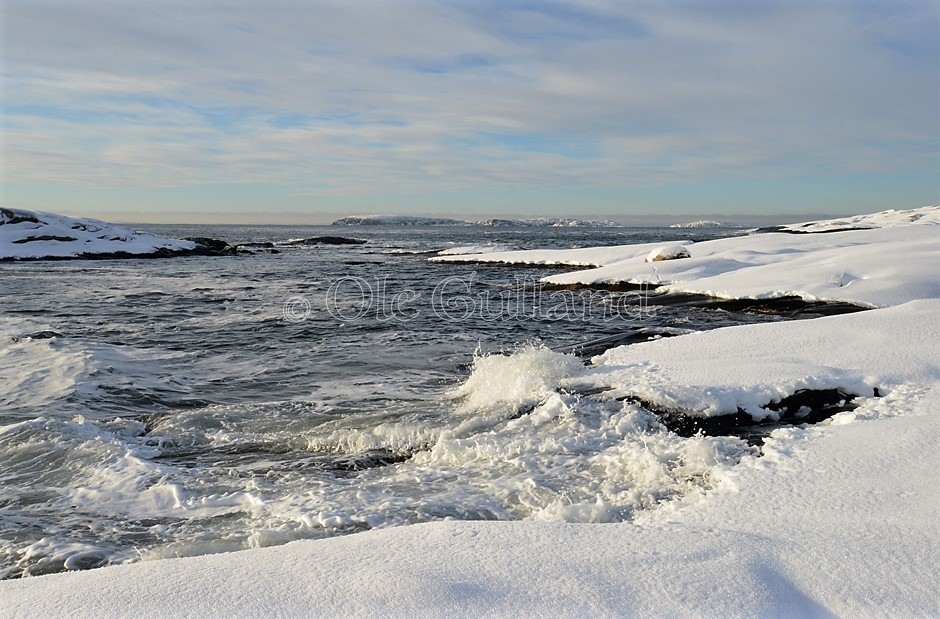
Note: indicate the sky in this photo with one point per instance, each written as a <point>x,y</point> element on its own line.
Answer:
<point>300,111</point>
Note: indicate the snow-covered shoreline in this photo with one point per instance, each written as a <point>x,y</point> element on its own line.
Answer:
<point>836,518</point>
<point>29,235</point>
<point>886,265</point>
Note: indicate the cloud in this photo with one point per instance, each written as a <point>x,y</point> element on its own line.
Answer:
<point>338,98</point>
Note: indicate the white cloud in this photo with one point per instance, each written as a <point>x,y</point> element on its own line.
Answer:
<point>407,96</point>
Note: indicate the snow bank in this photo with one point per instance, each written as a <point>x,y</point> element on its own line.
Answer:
<point>873,267</point>
<point>463,250</point>
<point>31,235</point>
<point>747,367</point>
<point>883,219</point>
<point>582,257</point>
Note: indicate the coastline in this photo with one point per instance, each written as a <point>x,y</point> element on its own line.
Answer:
<point>832,518</point>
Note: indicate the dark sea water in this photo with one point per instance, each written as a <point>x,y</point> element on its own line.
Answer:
<point>161,408</point>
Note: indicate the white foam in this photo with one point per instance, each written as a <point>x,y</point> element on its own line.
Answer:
<point>499,382</point>
<point>66,374</point>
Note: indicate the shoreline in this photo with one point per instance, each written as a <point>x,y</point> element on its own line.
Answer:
<point>830,518</point>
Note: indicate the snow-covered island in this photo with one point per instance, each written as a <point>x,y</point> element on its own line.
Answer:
<point>704,223</point>
<point>398,220</point>
<point>549,222</point>
<point>837,518</point>
<point>29,235</point>
<point>411,220</point>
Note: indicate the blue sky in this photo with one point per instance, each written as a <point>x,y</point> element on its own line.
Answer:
<point>306,111</point>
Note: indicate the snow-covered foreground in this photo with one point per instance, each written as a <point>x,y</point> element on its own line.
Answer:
<point>30,235</point>
<point>837,518</point>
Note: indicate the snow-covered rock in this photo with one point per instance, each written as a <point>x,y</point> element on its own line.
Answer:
<point>667,252</point>
<point>29,235</point>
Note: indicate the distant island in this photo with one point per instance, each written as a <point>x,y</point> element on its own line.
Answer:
<point>705,223</point>
<point>409,220</point>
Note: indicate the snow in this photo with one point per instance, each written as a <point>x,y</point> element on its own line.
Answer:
<point>882,219</point>
<point>667,252</point>
<point>463,250</point>
<point>873,267</point>
<point>57,236</point>
<point>704,223</point>
<point>838,518</point>
<point>583,256</point>
<point>759,364</point>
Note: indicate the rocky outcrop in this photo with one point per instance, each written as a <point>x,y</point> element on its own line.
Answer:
<point>326,240</point>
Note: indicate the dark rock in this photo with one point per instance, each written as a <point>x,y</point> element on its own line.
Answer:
<point>327,240</point>
<point>790,230</point>
<point>204,247</point>
<point>794,306</point>
<point>44,237</point>
<point>215,244</point>
<point>804,406</point>
<point>15,216</point>
<point>39,335</point>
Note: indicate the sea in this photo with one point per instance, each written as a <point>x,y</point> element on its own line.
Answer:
<point>159,408</point>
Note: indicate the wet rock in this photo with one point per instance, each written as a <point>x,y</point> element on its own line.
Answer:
<point>16,216</point>
<point>214,244</point>
<point>804,406</point>
<point>39,335</point>
<point>327,240</point>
